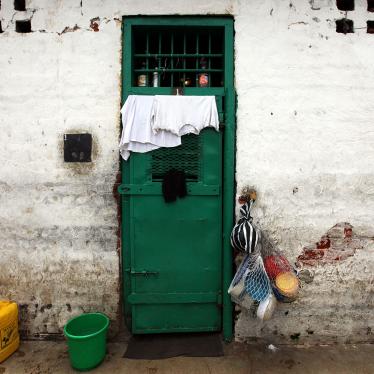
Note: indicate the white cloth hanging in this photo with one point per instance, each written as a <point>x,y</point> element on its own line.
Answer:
<point>181,115</point>
<point>137,134</point>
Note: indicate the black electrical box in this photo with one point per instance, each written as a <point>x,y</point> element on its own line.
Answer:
<point>77,147</point>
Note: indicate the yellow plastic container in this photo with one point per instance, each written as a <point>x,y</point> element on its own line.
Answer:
<point>9,335</point>
<point>287,284</point>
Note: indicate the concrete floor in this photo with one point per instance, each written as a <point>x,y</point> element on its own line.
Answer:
<point>52,358</point>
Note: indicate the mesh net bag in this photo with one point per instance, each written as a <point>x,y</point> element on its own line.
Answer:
<point>240,272</point>
<point>264,271</point>
<point>250,282</point>
<point>245,236</point>
<point>274,261</point>
<point>257,283</point>
<point>251,278</point>
<point>281,273</point>
<point>237,287</point>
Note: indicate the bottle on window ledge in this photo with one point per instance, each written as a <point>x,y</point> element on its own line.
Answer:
<point>155,80</point>
<point>142,77</point>
<point>186,81</point>
<point>155,76</point>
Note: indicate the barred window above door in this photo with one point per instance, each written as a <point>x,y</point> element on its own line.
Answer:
<point>178,56</point>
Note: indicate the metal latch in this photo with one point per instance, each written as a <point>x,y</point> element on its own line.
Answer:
<point>219,300</point>
<point>144,273</point>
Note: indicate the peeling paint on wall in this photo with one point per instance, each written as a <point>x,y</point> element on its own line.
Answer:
<point>312,160</point>
<point>337,244</point>
<point>95,23</point>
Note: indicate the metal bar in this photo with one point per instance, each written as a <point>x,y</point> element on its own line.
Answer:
<point>159,51</point>
<point>127,83</point>
<point>209,59</point>
<point>147,59</point>
<point>181,70</point>
<point>147,43</point>
<point>210,44</point>
<point>228,177</point>
<point>156,189</point>
<point>171,58</point>
<point>143,273</point>
<point>197,59</point>
<point>141,330</point>
<point>178,54</point>
<point>217,91</point>
<point>184,44</point>
<point>179,21</point>
<point>184,58</point>
<point>177,298</point>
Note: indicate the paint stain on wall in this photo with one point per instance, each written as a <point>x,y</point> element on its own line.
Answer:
<point>95,23</point>
<point>337,244</point>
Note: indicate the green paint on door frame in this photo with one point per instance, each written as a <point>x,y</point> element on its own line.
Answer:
<point>228,147</point>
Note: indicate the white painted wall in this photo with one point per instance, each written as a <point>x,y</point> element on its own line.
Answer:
<point>305,113</point>
<point>304,117</point>
<point>59,252</point>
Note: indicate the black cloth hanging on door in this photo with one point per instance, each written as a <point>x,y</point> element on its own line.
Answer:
<point>174,185</point>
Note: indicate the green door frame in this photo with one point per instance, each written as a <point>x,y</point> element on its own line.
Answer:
<point>228,146</point>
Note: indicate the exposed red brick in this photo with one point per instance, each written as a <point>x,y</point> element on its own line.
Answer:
<point>324,243</point>
<point>337,244</point>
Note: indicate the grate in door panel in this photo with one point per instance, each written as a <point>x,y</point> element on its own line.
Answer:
<point>186,157</point>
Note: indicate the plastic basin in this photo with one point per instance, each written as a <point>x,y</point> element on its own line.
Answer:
<point>86,336</point>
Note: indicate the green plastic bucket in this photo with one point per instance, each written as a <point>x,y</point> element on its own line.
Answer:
<point>86,335</point>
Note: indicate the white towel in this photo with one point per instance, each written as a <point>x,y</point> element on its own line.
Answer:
<point>137,135</point>
<point>183,115</point>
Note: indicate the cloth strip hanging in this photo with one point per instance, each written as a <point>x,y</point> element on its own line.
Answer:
<point>174,185</point>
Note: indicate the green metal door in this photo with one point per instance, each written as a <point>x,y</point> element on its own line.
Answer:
<point>175,267</point>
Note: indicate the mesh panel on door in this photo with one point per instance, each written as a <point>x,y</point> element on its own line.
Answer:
<point>186,157</point>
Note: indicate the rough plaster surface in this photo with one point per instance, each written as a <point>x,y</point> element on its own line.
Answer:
<point>304,141</point>
<point>59,253</point>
